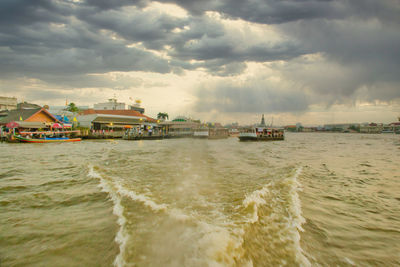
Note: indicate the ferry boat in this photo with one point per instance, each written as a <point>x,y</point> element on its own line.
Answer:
<point>262,134</point>
<point>46,137</point>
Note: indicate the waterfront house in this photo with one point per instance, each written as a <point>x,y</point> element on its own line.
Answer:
<point>29,118</point>
<point>115,120</point>
<point>341,127</point>
<point>290,128</point>
<point>180,128</point>
<point>371,128</point>
<point>25,119</point>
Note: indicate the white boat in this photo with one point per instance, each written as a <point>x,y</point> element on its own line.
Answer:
<point>261,134</point>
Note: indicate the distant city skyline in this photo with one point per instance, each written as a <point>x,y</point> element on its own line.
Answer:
<point>313,62</point>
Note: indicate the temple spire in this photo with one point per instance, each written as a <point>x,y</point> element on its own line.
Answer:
<point>262,120</point>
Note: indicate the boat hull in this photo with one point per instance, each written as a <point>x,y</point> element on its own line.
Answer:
<point>33,140</point>
<point>250,138</point>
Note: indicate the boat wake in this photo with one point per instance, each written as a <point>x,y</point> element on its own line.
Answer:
<point>275,210</point>
<point>271,219</point>
<point>122,237</point>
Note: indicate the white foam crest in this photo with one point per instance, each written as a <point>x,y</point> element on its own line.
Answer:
<point>296,203</point>
<point>221,246</point>
<point>92,173</point>
<point>179,215</point>
<point>174,213</point>
<point>141,198</point>
<point>296,216</point>
<point>256,199</point>
<point>121,237</point>
<point>272,192</point>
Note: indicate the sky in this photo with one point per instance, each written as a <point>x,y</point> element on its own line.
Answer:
<point>308,61</point>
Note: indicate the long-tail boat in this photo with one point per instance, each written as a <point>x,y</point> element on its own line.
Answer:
<point>46,137</point>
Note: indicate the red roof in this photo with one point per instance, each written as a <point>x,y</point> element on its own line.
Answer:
<point>125,112</point>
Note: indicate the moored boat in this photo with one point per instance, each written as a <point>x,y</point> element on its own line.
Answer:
<point>46,137</point>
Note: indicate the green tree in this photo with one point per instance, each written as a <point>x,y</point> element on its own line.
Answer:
<point>162,115</point>
<point>72,107</point>
<point>355,128</point>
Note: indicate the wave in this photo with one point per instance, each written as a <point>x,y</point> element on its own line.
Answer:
<point>222,246</point>
<point>219,243</point>
<point>276,208</point>
<point>116,192</point>
<point>121,238</point>
<point>254,200</point>
<point>141,198</point>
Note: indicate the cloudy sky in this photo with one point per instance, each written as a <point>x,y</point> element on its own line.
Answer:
<point>309,61</point>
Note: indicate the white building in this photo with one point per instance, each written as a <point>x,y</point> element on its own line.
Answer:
<point>112,104</point>
<point>137,106</point>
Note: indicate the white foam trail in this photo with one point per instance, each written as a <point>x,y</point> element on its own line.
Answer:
<point>179,215</point>
<point>141,198</point>
<point>256,199</point>
<point>174,213</point>
<point>259,198</point>
<point>297,218</point>
<point>221,246</point>
<point>296,203</point>
<point>121,238</point>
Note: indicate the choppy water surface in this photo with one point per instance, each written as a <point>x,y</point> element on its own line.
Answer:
<point>313,199</point>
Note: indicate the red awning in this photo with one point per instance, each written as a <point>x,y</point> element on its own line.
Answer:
<point>12,124</point>
<point>56,126</point>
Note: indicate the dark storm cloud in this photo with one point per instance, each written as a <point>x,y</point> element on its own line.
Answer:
<point>249,97</point>
<point>357,41</point>
<point>26,12</point>
<point>357,54</point>
<point>153,29</point>
<point>114,4</point>
<point>69,47</point>
<point>276,12</point>
<point>68,38</point>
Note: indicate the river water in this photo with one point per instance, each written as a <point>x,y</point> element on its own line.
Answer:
<point>314,199</point>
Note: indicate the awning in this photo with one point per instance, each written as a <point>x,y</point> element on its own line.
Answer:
<point>115,126</point>
<point>56,126</point>
<point>12,124</point>
<point>125,121</point>
<point>31,124</point>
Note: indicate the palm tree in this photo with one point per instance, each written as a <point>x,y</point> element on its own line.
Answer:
<point>72,107</point>
<point>162,115</point>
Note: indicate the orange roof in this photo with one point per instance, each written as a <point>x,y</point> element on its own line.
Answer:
<point>125,112</point>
